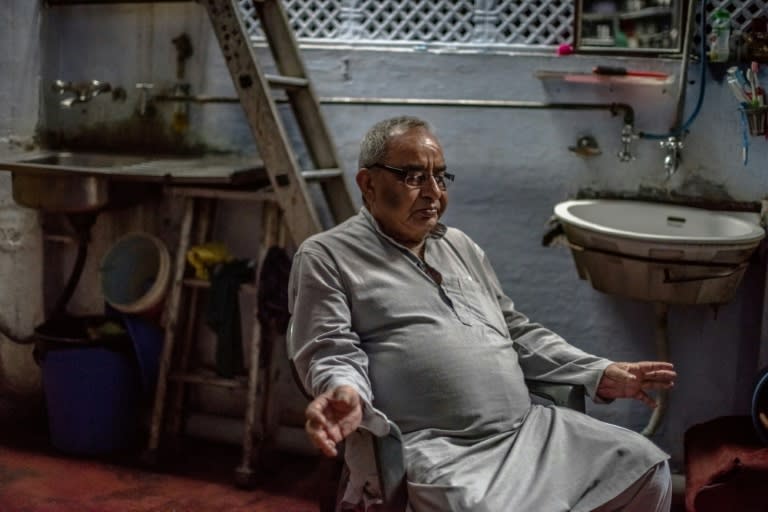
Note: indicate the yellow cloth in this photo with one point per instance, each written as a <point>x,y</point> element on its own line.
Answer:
<point>203,257</point>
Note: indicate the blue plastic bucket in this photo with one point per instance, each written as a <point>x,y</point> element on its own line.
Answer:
<point>93,396</point>
<point>147,341</point>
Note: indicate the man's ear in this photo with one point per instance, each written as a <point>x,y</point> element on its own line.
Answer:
<point>364,181</point>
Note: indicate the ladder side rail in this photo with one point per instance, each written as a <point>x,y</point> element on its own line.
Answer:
<point>172,313</point>
<point>263,118</point>
<point>285,50</point>
<point>269,214</point>
<point>205,212</point>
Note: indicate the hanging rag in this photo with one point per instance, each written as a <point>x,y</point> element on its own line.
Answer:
<point>223,314</point>
<point>205,256</point>
<point>272,299</point>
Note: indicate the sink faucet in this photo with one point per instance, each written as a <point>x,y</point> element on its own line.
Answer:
<point>672,145</point>
<point>625,155</point>
<point>81,91</point>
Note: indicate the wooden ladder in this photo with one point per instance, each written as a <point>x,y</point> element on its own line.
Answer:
<point>181,327</point>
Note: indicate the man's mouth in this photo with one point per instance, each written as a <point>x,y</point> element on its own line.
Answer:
<point>427,212</point>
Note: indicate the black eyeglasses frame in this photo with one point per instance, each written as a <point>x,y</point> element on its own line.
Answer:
<point>442,180</point>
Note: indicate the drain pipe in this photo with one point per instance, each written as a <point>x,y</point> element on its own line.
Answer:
<point>661,331</point>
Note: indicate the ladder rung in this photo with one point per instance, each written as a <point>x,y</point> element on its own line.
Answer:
<point>210,380</point>
<point>286,82</point>
<point>202,283</point>
<point>321,174</point>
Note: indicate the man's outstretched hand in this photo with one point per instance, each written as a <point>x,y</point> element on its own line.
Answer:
<point>332,416</point>
<point>632,380</point>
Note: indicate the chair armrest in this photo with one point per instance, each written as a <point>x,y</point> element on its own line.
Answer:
<point>566,395</point>
<point>390,465</point>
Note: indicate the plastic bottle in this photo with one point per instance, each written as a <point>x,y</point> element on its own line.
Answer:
<point>719,38</point>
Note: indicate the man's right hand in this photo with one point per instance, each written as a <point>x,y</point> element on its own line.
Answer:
<point>332,416</point>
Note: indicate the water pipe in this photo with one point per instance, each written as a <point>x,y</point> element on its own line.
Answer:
<point>678,128</point>
<point>662,352</point>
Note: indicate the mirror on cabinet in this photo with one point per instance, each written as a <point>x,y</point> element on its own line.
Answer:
<point>631,27</point>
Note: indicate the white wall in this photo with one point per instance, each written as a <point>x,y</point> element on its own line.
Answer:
<point>513,166</point>
<point>21,297</point>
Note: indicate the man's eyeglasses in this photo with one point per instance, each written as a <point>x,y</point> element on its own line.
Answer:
<point>417,178</point>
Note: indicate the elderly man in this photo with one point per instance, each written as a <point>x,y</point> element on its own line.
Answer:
<point>397,316</point>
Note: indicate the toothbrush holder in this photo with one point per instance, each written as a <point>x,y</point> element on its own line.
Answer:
<point>756,118</point>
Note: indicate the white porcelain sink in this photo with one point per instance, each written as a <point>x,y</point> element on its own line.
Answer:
<point>658,222</point>
<point>659,252</point>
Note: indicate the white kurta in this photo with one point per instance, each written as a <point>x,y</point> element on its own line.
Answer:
<point>446,362</point>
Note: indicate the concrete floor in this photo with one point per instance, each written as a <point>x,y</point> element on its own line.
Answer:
<point>198,477</point>
<point>34,477</point>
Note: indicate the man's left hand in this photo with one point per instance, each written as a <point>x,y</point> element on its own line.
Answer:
<point>633,380</point>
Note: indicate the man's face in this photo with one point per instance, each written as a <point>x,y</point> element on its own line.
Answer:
<point>406,214</point>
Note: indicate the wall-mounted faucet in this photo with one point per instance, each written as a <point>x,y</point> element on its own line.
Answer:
<point>627,134</point>
<point>672,145</point>
<point>144,107</point>
<point>81,91</point>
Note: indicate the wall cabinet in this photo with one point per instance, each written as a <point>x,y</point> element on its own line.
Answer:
<point>635,27</point>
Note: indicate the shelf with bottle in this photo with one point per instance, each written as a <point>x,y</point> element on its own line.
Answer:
<point>628,26</point>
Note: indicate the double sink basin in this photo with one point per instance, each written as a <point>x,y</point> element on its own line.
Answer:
<point>82,182</point>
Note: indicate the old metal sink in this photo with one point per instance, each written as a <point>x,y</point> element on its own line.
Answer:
<point>64,182</point>
<point>659,252</point>
<point>67,182</point>
<point>71,182</point>
<point>62,193</point>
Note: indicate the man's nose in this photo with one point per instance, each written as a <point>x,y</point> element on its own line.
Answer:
<point>430,188</point>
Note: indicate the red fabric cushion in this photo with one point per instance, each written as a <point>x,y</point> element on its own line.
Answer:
<point>726,467</point>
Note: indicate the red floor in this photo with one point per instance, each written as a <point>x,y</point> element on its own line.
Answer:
<point>35,478</point>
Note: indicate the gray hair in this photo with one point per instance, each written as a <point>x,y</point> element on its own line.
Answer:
<point>375,143</point>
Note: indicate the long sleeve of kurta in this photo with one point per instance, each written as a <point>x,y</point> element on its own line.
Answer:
<point>544,355</point>
<point>324,349</point>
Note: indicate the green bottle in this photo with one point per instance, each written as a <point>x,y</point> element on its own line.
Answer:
<point>719,38</point>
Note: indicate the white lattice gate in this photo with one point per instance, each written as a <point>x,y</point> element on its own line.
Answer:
<point>527,23</point>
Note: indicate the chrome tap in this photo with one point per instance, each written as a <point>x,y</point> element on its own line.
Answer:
<point>672,145</point>
<point>625,155</point>
<point>81,91</point>
<point>145,90</point>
